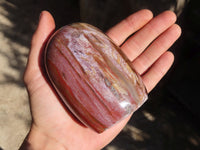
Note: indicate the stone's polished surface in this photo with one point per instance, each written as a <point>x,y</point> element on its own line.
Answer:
<point>92,76</point>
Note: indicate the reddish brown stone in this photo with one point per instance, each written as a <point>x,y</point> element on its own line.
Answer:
<point>92,76</point>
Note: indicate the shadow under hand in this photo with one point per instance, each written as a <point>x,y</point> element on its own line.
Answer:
<point>161,123</point>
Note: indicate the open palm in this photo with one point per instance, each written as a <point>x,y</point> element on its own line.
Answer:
<point>53,125</point>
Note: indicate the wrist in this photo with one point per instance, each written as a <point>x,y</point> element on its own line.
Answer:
<point>36,140</point>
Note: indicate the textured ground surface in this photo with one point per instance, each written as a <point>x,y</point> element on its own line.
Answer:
<point>163,123</point>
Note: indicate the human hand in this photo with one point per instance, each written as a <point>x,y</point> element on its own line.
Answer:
<point>53,127</point>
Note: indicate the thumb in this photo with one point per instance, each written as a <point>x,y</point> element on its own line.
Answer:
<point>45,28</point>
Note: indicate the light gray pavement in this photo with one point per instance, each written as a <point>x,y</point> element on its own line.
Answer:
<point>14,109</point>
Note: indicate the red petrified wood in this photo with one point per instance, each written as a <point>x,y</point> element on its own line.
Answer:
<point>92,76</point>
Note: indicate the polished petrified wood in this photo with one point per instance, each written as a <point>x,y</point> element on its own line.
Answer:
<point>92,76</point>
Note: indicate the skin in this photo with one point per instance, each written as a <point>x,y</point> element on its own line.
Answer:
<point>53,127</point>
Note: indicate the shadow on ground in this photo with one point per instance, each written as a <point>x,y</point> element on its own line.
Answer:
<point>22,17</point>
<point>161,124</point>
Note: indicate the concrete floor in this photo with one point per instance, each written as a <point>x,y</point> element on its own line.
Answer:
<point>162,123</point>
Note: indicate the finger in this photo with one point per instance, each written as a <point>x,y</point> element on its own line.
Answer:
<point>156,49</point>
<point>45,28</point>
<point>128,26</point>
<point>158,70</point>
<point>136,44</point>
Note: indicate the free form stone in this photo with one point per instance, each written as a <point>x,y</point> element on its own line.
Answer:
<point>92,76</point>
